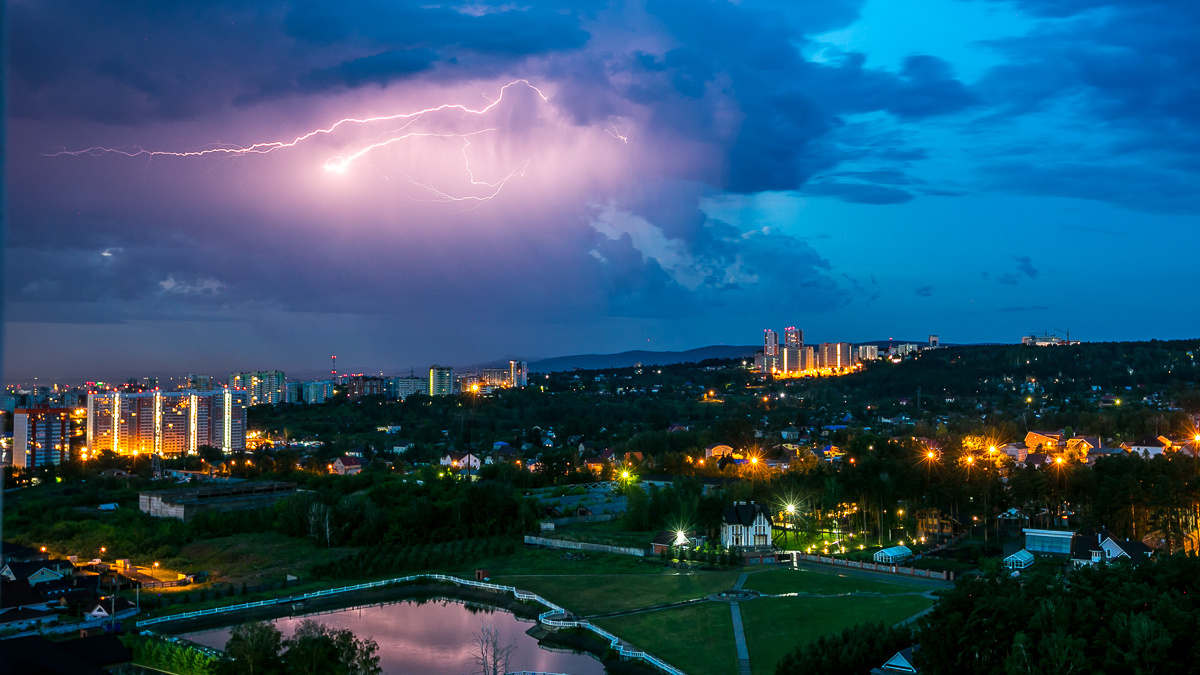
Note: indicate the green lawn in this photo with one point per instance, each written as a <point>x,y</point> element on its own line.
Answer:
<point>697,639</point>
<point>816,582</point>
<point>540,561</point>
<point>608,533</point>
<point>601,593</point>
<point>775,626</point>
<point>265,557</point>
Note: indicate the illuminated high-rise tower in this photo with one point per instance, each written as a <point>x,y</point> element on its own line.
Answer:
<point>792,352</point>
<point>518,373</point>
<point>441,380</point>
<point>770,342</point>
<point>41,436</point>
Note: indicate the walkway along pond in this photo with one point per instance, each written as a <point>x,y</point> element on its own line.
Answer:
<point>553,616</point>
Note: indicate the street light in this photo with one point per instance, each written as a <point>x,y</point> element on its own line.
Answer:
<point>154,575</point>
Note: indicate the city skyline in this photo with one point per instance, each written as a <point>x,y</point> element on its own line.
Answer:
<point>484,182</point>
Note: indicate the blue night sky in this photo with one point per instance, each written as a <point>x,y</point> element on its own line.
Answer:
<point>658,175</point>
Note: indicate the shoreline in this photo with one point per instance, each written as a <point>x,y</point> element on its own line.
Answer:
<point>565,638</point>
<point>371,596</point>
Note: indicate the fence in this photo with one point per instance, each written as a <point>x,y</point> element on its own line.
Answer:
<point>583,546</point>
<point>876,567</point>
<point>53,628</point>
<point>544,617</point>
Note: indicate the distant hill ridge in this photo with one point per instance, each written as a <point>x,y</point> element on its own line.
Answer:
<point>644,357</point>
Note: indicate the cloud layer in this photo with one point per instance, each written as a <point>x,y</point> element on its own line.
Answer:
<point>581,213</point>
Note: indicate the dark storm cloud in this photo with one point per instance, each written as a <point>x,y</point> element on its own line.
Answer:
<point>177,60</point>
<point>374,69</point>
<point>1129,67</point>
<point>787,105</point>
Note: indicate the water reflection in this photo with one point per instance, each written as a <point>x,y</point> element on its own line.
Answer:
<point>433,637</point>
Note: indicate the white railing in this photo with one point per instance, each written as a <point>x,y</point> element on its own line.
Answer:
<point>544,617</point>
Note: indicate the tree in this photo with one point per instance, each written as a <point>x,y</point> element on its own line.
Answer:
<point>492,652</point>
<point>253,649</point>
<point>317,649</point>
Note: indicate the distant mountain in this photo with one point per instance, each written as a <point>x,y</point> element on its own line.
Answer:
<point>628,359</point>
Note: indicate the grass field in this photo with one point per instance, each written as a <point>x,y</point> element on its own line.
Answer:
<point>776,626</point>
<point>609,533</point>
<point>697,639</point>
<point>253,558</point>
<point>547,561</point>
<point>815,582</point>
<point>602,593</point>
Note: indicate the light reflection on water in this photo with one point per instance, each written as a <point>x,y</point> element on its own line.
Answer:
<point>432,638</point>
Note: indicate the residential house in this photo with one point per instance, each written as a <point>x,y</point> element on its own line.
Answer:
<point>460,460</point>
<point>746,525</point>
<point>595,466</point>
<point>1083,444</point>
<point>24,618</point>
<point>1096,454</point>
<point>717,450</point>
<point>1055,542</point>
<point>901,662</point>
<point>1093,546</point>
<point>1037,459</point>
<point>790,434</point>
<point>107,607</point>
<point>14,594</point>
<point>1018,451</point>
<point>347,466</point>
<point>10,552</point>
<point>505,454</point>
<point>36,571</point>
<point>1150,446</point>
<point>1047,441</point>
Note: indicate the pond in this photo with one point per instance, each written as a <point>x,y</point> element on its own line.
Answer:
<point>433,637</point>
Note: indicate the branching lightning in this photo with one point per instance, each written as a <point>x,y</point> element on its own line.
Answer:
<point>341,163</point>
<point>616,133</point>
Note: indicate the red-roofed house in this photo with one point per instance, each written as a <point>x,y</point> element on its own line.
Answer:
<point>347,466</point>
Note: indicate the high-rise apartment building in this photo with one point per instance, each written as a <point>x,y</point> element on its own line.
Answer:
<point>262,386</point>
<point>316,392</point>
<point>166,423</point>
<point>41,437</point>
<point>495,377</point>
<point>405,386</point>
<point>867,352</point>
<point>835,355</point>
<point>441,380</point>
<point>518,373</point>
<point>197,382</point>
<point>772,360</point>
<point>770,343</point>
<point>793,337</point>
<point>359,386</point>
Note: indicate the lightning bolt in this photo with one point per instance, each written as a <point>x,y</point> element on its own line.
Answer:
<point>616,133</point>
<point>341,163</point>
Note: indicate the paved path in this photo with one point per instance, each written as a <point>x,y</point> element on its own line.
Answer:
<point>739,639</point>
<point>651,608</point>
<point>870,574</point>
<point>737,585</point>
